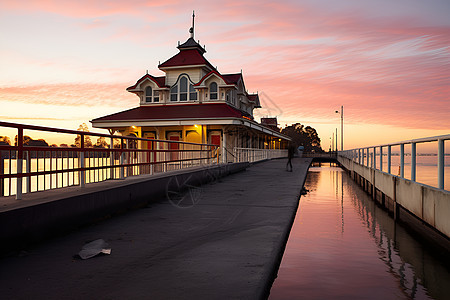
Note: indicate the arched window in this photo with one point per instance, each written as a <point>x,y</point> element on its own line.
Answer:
<point>183,90</point>
<point>213,91</point>
<point>148,94</point>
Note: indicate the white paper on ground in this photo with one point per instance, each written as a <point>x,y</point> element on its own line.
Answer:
<point>94,248</point>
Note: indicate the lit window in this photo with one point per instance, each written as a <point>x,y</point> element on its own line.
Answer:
<point>213,91</point>
<point>148,94</point>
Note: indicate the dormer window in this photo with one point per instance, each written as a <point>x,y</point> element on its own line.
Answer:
<point>213,91</point>
<point>183,90</point>
<point>151,95</point>
<point>148,94</point>
<point>192,92</point>
<point>174,93</point>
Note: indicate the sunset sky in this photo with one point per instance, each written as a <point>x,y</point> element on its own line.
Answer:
<point>387,62</point>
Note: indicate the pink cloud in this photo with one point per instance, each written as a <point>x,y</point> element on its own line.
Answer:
<point>309,60</point>
<point>88,95</point>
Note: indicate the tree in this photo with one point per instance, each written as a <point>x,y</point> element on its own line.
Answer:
<point>101,143</point>
<point>87,139</point>
<point>4,140</point>
<point>26,140</point>
<point>303,136</point>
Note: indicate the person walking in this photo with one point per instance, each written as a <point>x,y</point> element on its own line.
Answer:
<point>291,151</point>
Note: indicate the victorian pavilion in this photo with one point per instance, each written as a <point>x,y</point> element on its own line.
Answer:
<point>194,102</point>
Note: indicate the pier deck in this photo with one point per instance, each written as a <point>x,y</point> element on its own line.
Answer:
<point>226,246</point>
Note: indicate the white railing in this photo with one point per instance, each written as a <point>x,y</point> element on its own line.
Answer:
<point>374,156</point>
<point>30,165</point>
<point>254,155</point>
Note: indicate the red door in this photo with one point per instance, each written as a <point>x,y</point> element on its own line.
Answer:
<point>215,139</point>
<point>174,146</point>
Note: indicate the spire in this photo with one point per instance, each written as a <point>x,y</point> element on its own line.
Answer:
<point>191,43</point>
<point>191,30</point>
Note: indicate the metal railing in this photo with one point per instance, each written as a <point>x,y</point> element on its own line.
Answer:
<point>254,155</point>
<point>374,157</point>
<point>331,155</point>
<point>30,165</point>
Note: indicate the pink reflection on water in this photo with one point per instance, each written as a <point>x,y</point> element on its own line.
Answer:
<point>337,250</point>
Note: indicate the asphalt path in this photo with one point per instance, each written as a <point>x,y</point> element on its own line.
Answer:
<point>223,240</point>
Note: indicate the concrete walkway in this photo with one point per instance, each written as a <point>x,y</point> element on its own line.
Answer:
<point>226,245</point>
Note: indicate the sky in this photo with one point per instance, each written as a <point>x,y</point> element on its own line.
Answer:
<point>64,63</point>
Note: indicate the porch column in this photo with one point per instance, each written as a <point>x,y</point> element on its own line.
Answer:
<point>224,147</point>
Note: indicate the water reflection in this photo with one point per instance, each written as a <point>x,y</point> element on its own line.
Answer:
<point>343,246</point>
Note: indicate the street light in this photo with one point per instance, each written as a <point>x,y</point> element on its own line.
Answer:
<point>342,127</point>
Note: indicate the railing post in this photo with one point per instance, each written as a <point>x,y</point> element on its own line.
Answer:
<point>381,159</point>
<point>389,159</point>
<point>19,163</point>
<point>112,155</point>
<point>413,161</point>
<point>28,170</point>
<point>359,156</point>
<point>217,151</point>
<point>2,171</point>
<point>441,161</point>
<point>82,163</point>
<point>122,158</point>
<point>368,157</point>
<point>402,160</point>
<point>374,158</point>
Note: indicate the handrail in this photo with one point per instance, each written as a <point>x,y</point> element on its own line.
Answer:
<point>255,154</point>
<point>368,156</point>
<point>29,168</point>
<point>69,131</point>
<point>420,140</point>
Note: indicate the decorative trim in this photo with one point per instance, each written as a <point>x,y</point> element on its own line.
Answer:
<point>180,133</point>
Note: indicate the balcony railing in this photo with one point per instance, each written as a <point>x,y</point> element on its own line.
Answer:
<point>27,167</point>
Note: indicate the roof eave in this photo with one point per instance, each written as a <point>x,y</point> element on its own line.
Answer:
<point>183,66</point>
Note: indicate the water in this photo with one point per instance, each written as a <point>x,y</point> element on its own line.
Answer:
<point>342,246</point>
<point>426,168</point>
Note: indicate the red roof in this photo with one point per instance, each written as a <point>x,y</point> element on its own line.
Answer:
<point>252,97</point>
<point>232,78</point>
<point>185,58</point>
<point>228,78</point>
<point>176,112</point>
<point>160,81</point>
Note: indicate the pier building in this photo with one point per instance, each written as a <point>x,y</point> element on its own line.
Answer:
<point>194,102</point>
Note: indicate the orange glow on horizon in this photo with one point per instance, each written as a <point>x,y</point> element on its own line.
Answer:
<point>387,65</point>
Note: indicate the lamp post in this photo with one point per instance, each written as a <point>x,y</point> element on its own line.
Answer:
<point>342,127</point>
<point>336,141</point>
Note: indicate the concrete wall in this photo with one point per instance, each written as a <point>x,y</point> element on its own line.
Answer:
<point>44,214</point>
<point>429,205</point>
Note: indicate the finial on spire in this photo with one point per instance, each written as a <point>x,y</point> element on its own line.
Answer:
<point>191,30</point>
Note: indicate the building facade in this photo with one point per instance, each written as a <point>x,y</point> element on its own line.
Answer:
<point>194,102</point>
